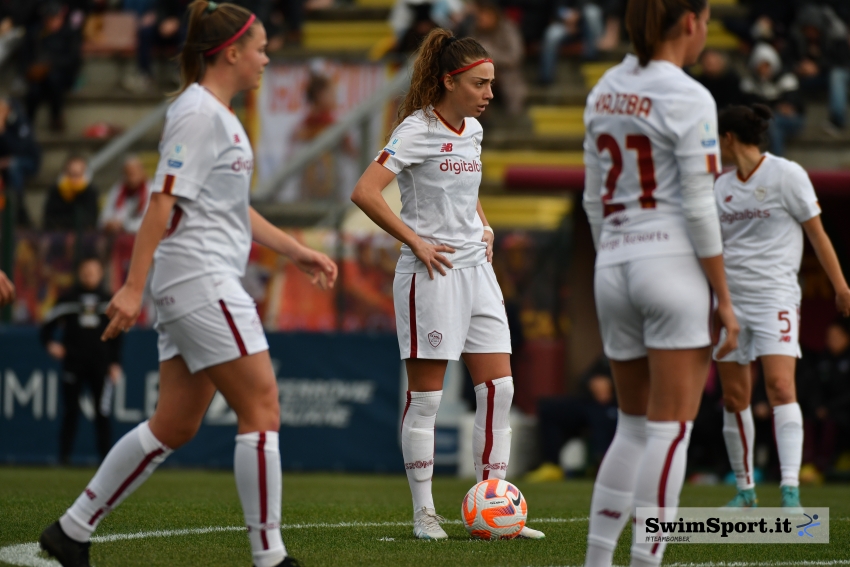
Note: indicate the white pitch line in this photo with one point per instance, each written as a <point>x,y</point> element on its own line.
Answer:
<point>29,554</point>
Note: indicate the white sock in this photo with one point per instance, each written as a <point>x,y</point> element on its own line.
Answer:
<point>127,465</point>
<point>256,465</point>
<point>491,436</point>
<point>660,476</point>
<point>740,434</point>
<point>613,491</point>
<point>788,426</point>
<point>417,444</point>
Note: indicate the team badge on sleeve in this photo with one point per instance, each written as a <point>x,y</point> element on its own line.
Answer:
<point>393,146</point>
<point>177,156</point>
<point>708,135</point>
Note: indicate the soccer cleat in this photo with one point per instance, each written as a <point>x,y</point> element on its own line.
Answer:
<point>528,533</point>
<point>547,472</point>
<point>426,524</point>
<point>68,552</point>
<point>791,497</point>
<point>289,562</point>
<point>744,499</point>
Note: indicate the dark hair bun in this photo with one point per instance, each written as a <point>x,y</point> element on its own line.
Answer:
<point>748,123</point>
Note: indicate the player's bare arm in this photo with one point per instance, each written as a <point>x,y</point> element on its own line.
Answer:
<point>489,237</point>
<point>829,260</point>
<point>724,316</point>
<point>126,304</point>
<point>7,290</point>
<point>320,267</point>
<point>367,195</point>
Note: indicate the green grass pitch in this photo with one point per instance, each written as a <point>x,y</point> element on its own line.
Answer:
<point>314,506</point>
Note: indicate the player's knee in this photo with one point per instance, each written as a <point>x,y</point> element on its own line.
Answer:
<point>735,400</point>
<point>177,434</point>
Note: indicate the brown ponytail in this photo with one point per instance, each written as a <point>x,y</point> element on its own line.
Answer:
<point>439,53</point>
<point>210,25</point>
<point>650,21</point>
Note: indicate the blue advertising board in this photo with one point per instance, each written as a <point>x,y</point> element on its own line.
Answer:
<point>339,396</point>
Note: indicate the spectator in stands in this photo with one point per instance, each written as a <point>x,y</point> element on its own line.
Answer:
<point>830,419</point>
<point>72,202</point>
<point>820,53</point>
<point>563,418</point>
<point>127,200</point>
<point>571,19</point>
<point>86,360</point>
<point>20,154</point>
<point>51,59</point>
<point>766,20</point>
<point>411,20</point>
<point>502,40</point>
<point>720,79</point>
<point>769,83</point>
<point>161,26</point>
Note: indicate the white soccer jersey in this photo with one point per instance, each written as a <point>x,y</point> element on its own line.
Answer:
<point>439,171</point>
<point>206,162</point>
<point>645,128</point>
<point>762,238</point>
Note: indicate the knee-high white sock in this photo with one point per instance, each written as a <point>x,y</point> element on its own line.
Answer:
<point>613,491</point>
<point>127,465</point>
<point>491,436</point>
<point>740,434</point>
<point>256,465</point>
<point>417,444</point>
<point>788,426</point>
<point>660,476</point>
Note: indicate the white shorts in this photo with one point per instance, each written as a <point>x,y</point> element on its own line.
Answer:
<point>765,330</point>
<point>661,303</point>
<point>442,318</point>
<point>218,332</point>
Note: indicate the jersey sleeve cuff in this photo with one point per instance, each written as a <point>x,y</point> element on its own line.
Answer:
<point>178,186</point>
<point>389,161</point>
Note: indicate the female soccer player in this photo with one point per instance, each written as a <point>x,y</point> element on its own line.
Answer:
<point>650,156</point>
<point>210,336</point>
<point>762,205</point>
<point>457,310</point>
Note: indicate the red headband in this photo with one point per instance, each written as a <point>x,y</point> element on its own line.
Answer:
<point>236,36</point>
<point>468,67</point>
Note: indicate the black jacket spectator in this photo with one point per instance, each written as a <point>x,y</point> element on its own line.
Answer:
<point>72,201</point>
<point>81,314</point>
<point>17,136</point>
<point>722,82</point>
<point>820,36</point>
<point>50,59</point>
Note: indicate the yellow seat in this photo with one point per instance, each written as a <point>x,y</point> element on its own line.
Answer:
<point>719,37</point>
<point>342,36</point>
<point>494,163</point>
<point>526,212</point>
<point>557,120</point>
<point>375,3</point>
<point>592,72</point>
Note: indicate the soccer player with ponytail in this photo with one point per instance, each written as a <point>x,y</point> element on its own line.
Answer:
<point>651,153</point>
<point>447,301</point>
<point>199,227</point>
<point>766,204</point>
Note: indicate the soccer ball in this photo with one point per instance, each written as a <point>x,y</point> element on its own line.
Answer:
<point>494,509</point>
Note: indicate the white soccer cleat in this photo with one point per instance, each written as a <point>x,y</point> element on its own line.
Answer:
<point>528,533</point>
<point>426,524</point>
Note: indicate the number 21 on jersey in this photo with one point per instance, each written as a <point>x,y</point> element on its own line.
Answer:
<point>646,169</point>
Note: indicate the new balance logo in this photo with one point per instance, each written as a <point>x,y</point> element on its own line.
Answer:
<point>728,198</point>
<point>446,147</point>
<point>235,138</point>
<point>785,339</point>
<point>611,514</point>
<point>419,465</point>
<point>90,494</point>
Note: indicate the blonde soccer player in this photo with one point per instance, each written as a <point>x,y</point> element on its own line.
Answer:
<point>651,152</point>
<point>447,301</point>
<point>766,204</point>
<point>198,228</point>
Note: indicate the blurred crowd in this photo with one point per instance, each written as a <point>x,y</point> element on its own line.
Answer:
<point>589,416</point>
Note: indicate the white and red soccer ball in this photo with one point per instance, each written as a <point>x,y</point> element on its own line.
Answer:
<point>494,509</point>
